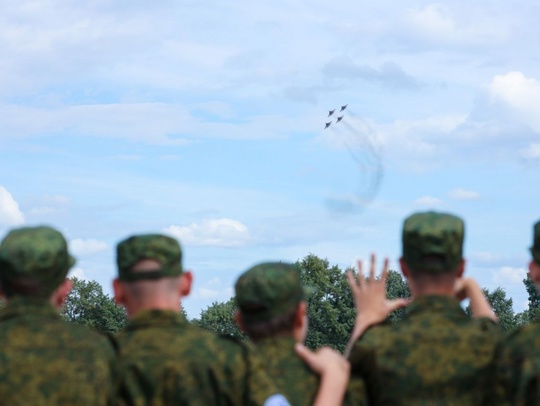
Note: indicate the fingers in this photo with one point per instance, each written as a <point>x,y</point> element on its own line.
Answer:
<point>353,284</point>
<point>372,268</point>
<point>397,304</point>
<point>360,272</point>
<point>385,272</point>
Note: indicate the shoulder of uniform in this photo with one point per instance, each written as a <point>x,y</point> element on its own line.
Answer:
<point>235,340</point>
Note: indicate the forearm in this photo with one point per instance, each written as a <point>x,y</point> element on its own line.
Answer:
<point>332,387</point>
<point>480,306</point>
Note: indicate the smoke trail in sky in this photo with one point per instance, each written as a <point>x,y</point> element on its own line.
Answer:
<point>360,141</point>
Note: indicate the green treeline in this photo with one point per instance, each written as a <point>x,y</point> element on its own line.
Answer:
<point>331,310</point>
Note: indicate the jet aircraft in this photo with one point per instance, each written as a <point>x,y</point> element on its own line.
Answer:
<point>343,108</point>
<point>339,119</point>
<point>331,112</point>
<point>327,125</point>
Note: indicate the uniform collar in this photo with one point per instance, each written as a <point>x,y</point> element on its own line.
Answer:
<point>282,341</point>
<point>155,318</point>
<point>435,304</point>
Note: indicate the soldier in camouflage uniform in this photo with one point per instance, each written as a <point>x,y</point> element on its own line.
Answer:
<point>272,311</point>
<point>43,359</point>
<point>165,359</point>
<point>518,358</point>
<point>436,355</point>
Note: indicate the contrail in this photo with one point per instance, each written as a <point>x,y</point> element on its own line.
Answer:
<point>357,137</point>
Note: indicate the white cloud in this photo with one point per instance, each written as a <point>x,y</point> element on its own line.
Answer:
<point>463,194</point>
<point>521,94</point>
<point>485,257</point>
<point>428,201</point>
<point>212,232</point>
<point>78,273</point>
<point>531,152</point>
<point>86,247</point>
<point>10,214</point>
<point>437,22</point>
<point>509,276</point>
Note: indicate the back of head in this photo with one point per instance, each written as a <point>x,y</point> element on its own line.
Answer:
<point>33,262</point>
<point>268,296</point>
<point>535,249</point>
<point>433,243</point>
<point>162,249</point>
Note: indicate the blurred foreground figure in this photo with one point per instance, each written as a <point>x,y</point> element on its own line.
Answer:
<point>272,311</point>
<point>436,354</point>
<point>519,356</point>
<point>43,359</point>
<point>165,359</point>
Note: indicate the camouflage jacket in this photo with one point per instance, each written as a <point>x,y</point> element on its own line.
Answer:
<point>47,361</point>
<point>436,355</point>
<point>518,367</point>
<point>166,360</point>
<point>293,378</point>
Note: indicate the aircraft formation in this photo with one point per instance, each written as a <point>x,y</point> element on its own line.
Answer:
<point>339,118</point>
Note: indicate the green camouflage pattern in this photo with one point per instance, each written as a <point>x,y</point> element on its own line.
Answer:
<point>35,253</point>
<point>165,250</point>
<point>436,355</point>
<point>518,367</point>
<point>293,378</point>
<point>165,357</point>
<point>433,233</point>
<point>268,290</point>
<point>535,249</point>
<point>47,361</point>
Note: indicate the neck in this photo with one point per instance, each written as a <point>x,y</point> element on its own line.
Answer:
<point>159,304</point>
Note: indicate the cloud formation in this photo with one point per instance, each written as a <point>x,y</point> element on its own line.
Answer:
<point>463,194</point>
<point>390,74</point>
<point>507,275</point>
<point>10,214</point>
<point>221,232</point>
<point>428,201</point>
<point>521,94</point>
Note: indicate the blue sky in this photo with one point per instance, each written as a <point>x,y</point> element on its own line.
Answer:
<point>205,120</point>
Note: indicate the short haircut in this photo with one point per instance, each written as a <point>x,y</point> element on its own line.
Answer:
<point>279,325</point>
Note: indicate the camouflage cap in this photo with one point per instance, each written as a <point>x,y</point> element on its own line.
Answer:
<point>535,249</point>
<point>431,233</point>
<point>35,253</point>
<point>268,290</point>
<point>165,250</point>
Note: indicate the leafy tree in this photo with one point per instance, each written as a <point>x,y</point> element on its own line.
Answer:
<point>219,318</point>
<point>87,304</point>
<point>502,306</point>
<point>533,311</point>
<point>397,288</point>
<point>331,310</point>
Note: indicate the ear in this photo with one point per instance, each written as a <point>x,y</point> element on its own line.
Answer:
<point>62,292</point>
<point>186,279</point>
<point>119,292</point>
<point>404,268</point>
<point>461,268</point>
<point>238,320</point>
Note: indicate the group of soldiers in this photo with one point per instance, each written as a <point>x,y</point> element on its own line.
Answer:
<point>435,355</point>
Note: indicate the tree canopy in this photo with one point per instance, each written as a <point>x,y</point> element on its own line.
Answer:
<point>87,304</point>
